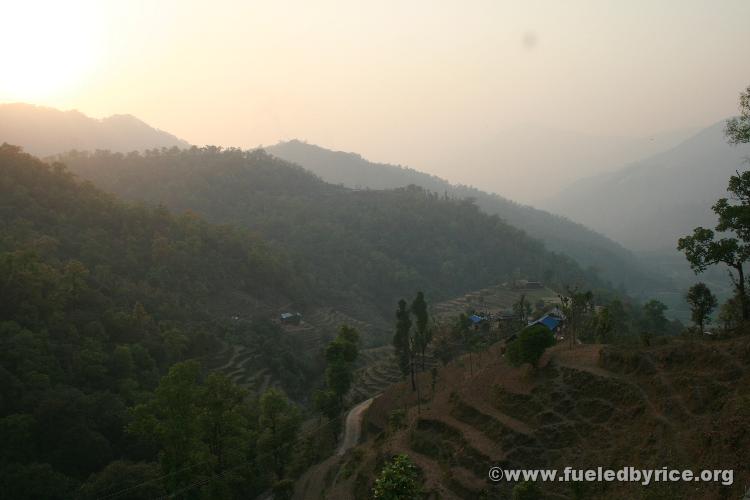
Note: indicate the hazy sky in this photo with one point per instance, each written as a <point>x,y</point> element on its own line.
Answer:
<point>474,91</point>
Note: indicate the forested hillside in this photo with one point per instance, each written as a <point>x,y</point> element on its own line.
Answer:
<point>559,234</point>
<point>47,131</point>
<point>356,248</point>
<point>99,299</point>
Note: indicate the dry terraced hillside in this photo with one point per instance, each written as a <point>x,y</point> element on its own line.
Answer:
<point>685,404</point>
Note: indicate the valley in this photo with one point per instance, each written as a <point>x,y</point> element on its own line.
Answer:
<point>615,264</point>
<point>295,322</point>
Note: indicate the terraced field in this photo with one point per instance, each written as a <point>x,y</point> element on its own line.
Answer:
<point>378,367</point>
<point>378,370</point>
<point>321,325</point>
<point>241,365</point>
<point>493,299</point>
<point>677,406</point>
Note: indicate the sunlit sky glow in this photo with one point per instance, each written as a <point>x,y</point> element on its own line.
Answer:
<point>436,85</point>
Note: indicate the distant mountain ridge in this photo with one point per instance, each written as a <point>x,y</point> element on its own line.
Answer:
<point>44,131</point>
<point>559,234</point>
<point>649,204</point>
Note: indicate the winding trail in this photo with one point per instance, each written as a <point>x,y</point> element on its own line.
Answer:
<point>314,478</point>
<point>353,426</point>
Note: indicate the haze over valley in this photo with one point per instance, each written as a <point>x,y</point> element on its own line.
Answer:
<point>603,239</point>
<point>391,251</point>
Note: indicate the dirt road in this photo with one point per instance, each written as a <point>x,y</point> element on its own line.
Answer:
<point>312,481</point>
<point>353,426</point>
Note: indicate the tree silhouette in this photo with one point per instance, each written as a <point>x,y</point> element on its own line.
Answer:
<point>702,302</point>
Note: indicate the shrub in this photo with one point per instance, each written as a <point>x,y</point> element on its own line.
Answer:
<point>530,345</point>
<point>399,480</point>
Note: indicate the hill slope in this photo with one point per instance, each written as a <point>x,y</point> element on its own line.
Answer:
<point>682,405</point>
<point>649,204</point>
<point>559,234</point>
<point>45,131</point>
<point>99,298</point>
<point>361,250</point>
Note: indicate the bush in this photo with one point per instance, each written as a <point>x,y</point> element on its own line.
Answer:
<point>530,345</point>
<point>399,480</point>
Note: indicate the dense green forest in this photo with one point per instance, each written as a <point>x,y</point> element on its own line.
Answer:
<point>354,247</point>
<point>559,234</point>
<point>99,300</point>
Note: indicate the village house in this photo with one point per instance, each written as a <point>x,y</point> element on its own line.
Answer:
<point>554,321</point>
<point>290,318</point>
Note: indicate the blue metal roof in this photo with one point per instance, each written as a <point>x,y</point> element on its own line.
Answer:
<point>549,321</point>
<point>475,318</point>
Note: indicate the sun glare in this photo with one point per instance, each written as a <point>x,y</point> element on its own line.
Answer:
<point>47,47</point>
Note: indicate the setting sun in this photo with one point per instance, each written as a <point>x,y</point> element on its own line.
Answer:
<point>51,46</point>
